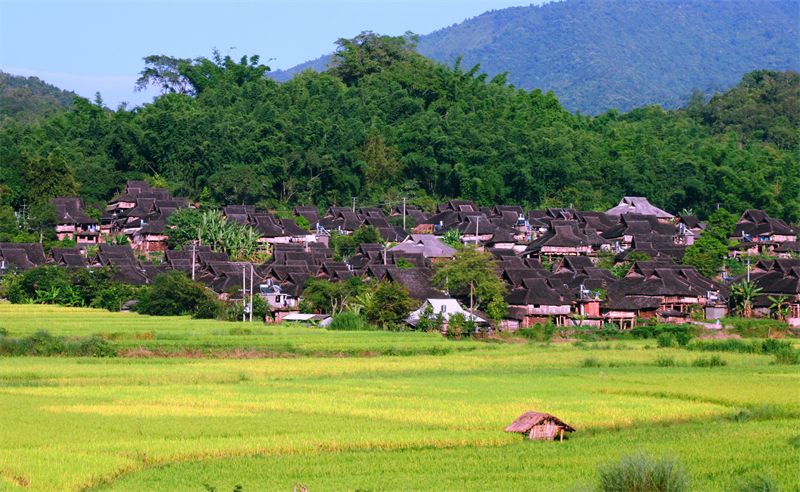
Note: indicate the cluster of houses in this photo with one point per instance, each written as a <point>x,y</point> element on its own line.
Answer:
<point>548,258</point>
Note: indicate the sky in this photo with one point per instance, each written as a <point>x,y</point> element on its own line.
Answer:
<point>98,46</point>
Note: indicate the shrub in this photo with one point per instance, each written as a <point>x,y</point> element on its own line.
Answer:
<point>348,322</point>
<point>173,294</point>
<point>662,361</point>
<point>666,340</point>
<point>538,332</point>
<point>93,346</point>
<point>41,343</point>
<point>759,483</point>
<point>3,332</point>
<point>23,288</point>
<point>390,305</point>
<point>755,327</point>
<point>591,362</point>
<point>788,356</point>
<point>713,361</point>
<point>640,473</point>
<point>768,346</point>
<point>113,296</point>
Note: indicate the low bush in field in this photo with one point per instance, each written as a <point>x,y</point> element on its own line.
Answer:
<point>788,356</point>
<point>43,343</point>
<point>538,332</point>
<point>713,361</point>
<point>755,327</point>
<point>591,362</point>
<point>349,322</point>
<point>666,340</point>
<point>663,361</point>
<point>783,350</point>
<point>759,483</point>
<point>92,346</point>
<point>640,473</point>
<point>681,334</point>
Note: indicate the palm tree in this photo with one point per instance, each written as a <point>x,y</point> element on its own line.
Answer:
<point>742,295</point>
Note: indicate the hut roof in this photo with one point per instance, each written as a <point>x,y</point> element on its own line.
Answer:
<point>528,420</point>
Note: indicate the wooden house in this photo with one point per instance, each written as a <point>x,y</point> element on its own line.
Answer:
<point>539,426</point>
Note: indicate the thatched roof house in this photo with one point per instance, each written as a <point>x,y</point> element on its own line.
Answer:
<point>540,426</point>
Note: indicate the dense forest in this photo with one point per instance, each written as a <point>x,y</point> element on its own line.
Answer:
<point>385,122</point>
<point>28,99</point>
<point>597,55</point>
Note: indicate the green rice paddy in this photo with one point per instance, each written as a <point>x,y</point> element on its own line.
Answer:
<point>310,410</point>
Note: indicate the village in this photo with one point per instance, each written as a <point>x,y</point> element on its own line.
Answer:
<point>548,259</point>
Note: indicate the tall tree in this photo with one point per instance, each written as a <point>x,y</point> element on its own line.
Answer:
<point>471,277</point>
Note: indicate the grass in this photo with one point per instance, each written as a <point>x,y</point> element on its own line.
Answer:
<point>134,333</point>
<point>420,422</point>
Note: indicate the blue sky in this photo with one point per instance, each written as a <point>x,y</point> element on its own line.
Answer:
<point>91,46</point>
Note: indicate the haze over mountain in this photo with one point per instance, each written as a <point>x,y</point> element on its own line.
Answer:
<point>601,54</point>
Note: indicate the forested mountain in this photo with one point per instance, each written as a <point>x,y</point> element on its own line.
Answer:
<point>601,54</point>
<point>27,99</point>
<point>386,122</point>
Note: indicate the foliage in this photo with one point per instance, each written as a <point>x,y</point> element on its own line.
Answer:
<point>779,306</point>
<point>28,99</point>
<point>173,294</point>
<point>42,343</point>
<point>539,332</point>
<point>232,310</point>
<point>343,245</point>
<point>471,275</point>
<point>713,361</point>
<point>389,306</point>
<point>429,321</point>
<point>68,287</point>
<point>459,326</point>
<point>224,133</point>
<point>674,334</point>
<point>113,296</point>
<point>666,340</point>
<point>759,483</point>
<point>347,321</point>
<point>324,296</point>
<point>210,227</point>
<point>709,251</point>
<point>742,295</point>
<point>642,473</point>
<point>366,234</point>
<point>452,238</point>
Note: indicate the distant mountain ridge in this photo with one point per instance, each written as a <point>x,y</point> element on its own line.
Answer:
<point>597,55</point>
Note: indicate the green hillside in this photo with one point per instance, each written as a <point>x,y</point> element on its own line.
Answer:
<point>27,99</point>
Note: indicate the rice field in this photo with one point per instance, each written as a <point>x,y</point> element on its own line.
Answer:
<point>416,422</point>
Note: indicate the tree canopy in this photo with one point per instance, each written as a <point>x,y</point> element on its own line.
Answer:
<point>384,122</point>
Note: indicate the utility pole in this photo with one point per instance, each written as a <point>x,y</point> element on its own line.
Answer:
<point>748,268</point>
<point>194,256</point>
<point>354,204</point>
<point>471,302</point>
<point>244,295</point>
<point>384,254</point>
<point>251,292</point>
<point>477,221</point>
<point>404,214</point>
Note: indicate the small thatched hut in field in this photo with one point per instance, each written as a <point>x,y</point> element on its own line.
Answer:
<point>540,426</point>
